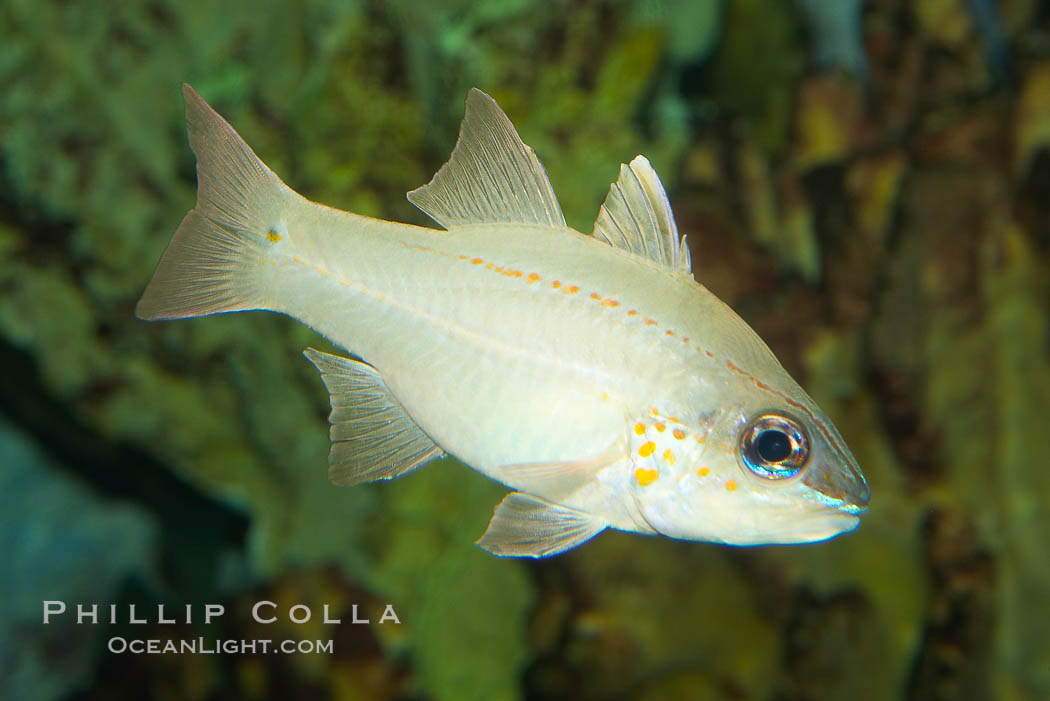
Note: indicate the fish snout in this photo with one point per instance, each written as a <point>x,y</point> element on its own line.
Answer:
<point>842,483</point>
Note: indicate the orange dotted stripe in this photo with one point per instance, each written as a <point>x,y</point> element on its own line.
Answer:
<point>555,284</point>
<point>609,302</point>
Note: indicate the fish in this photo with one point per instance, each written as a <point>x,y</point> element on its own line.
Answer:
<point>592,375</point>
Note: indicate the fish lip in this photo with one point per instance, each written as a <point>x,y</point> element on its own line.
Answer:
<point>823,507</point>
<point>853,509</point>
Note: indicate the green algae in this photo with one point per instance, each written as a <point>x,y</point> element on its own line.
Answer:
<point>756,65</point>
<point>1014,290</point>
<point>463,608</point>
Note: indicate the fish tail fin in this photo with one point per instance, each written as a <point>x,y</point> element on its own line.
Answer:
<point>214,261</point>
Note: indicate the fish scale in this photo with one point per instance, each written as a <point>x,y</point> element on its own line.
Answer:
<point>591,374</point>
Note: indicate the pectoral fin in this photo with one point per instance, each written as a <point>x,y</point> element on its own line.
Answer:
<point>373,438</point>
<point>527,526</point>
<point>556,480</point>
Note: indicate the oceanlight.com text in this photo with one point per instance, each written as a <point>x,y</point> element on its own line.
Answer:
<point>204,646</point>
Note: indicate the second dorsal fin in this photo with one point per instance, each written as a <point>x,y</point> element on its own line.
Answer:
<point>636,216</point>
<point>491,177</point>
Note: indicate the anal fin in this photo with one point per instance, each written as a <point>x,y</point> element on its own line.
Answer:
<point>373,438</point>
<point>527,526</point>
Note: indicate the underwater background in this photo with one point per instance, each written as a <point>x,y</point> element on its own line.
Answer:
<point>866,183</point>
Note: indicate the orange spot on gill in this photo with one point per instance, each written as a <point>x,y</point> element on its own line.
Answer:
<point>730,486</point>
<point>639,429</point>
<point>678,433</point>
<point>647,449</point>
<point>533,277</point>
<point>610,303</point>
<point>645,477</point>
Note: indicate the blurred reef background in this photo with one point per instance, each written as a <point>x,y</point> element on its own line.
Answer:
<point>866,183</point>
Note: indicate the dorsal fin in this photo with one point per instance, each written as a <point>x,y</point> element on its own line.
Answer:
<point>636,216</point>
<point>491,177</point>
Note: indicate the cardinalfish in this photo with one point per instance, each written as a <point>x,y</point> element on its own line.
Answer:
<point>590,374</point>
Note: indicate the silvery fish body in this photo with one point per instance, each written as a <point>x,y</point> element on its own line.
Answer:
<point>589,373</point>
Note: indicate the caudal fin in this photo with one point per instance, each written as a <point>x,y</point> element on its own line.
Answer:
<point>212,264</point>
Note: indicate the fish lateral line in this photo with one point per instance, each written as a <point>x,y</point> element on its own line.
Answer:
<point>557,284</point>
<point>530,278</point>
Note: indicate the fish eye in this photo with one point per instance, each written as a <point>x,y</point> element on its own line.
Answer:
<point>774,446</point>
